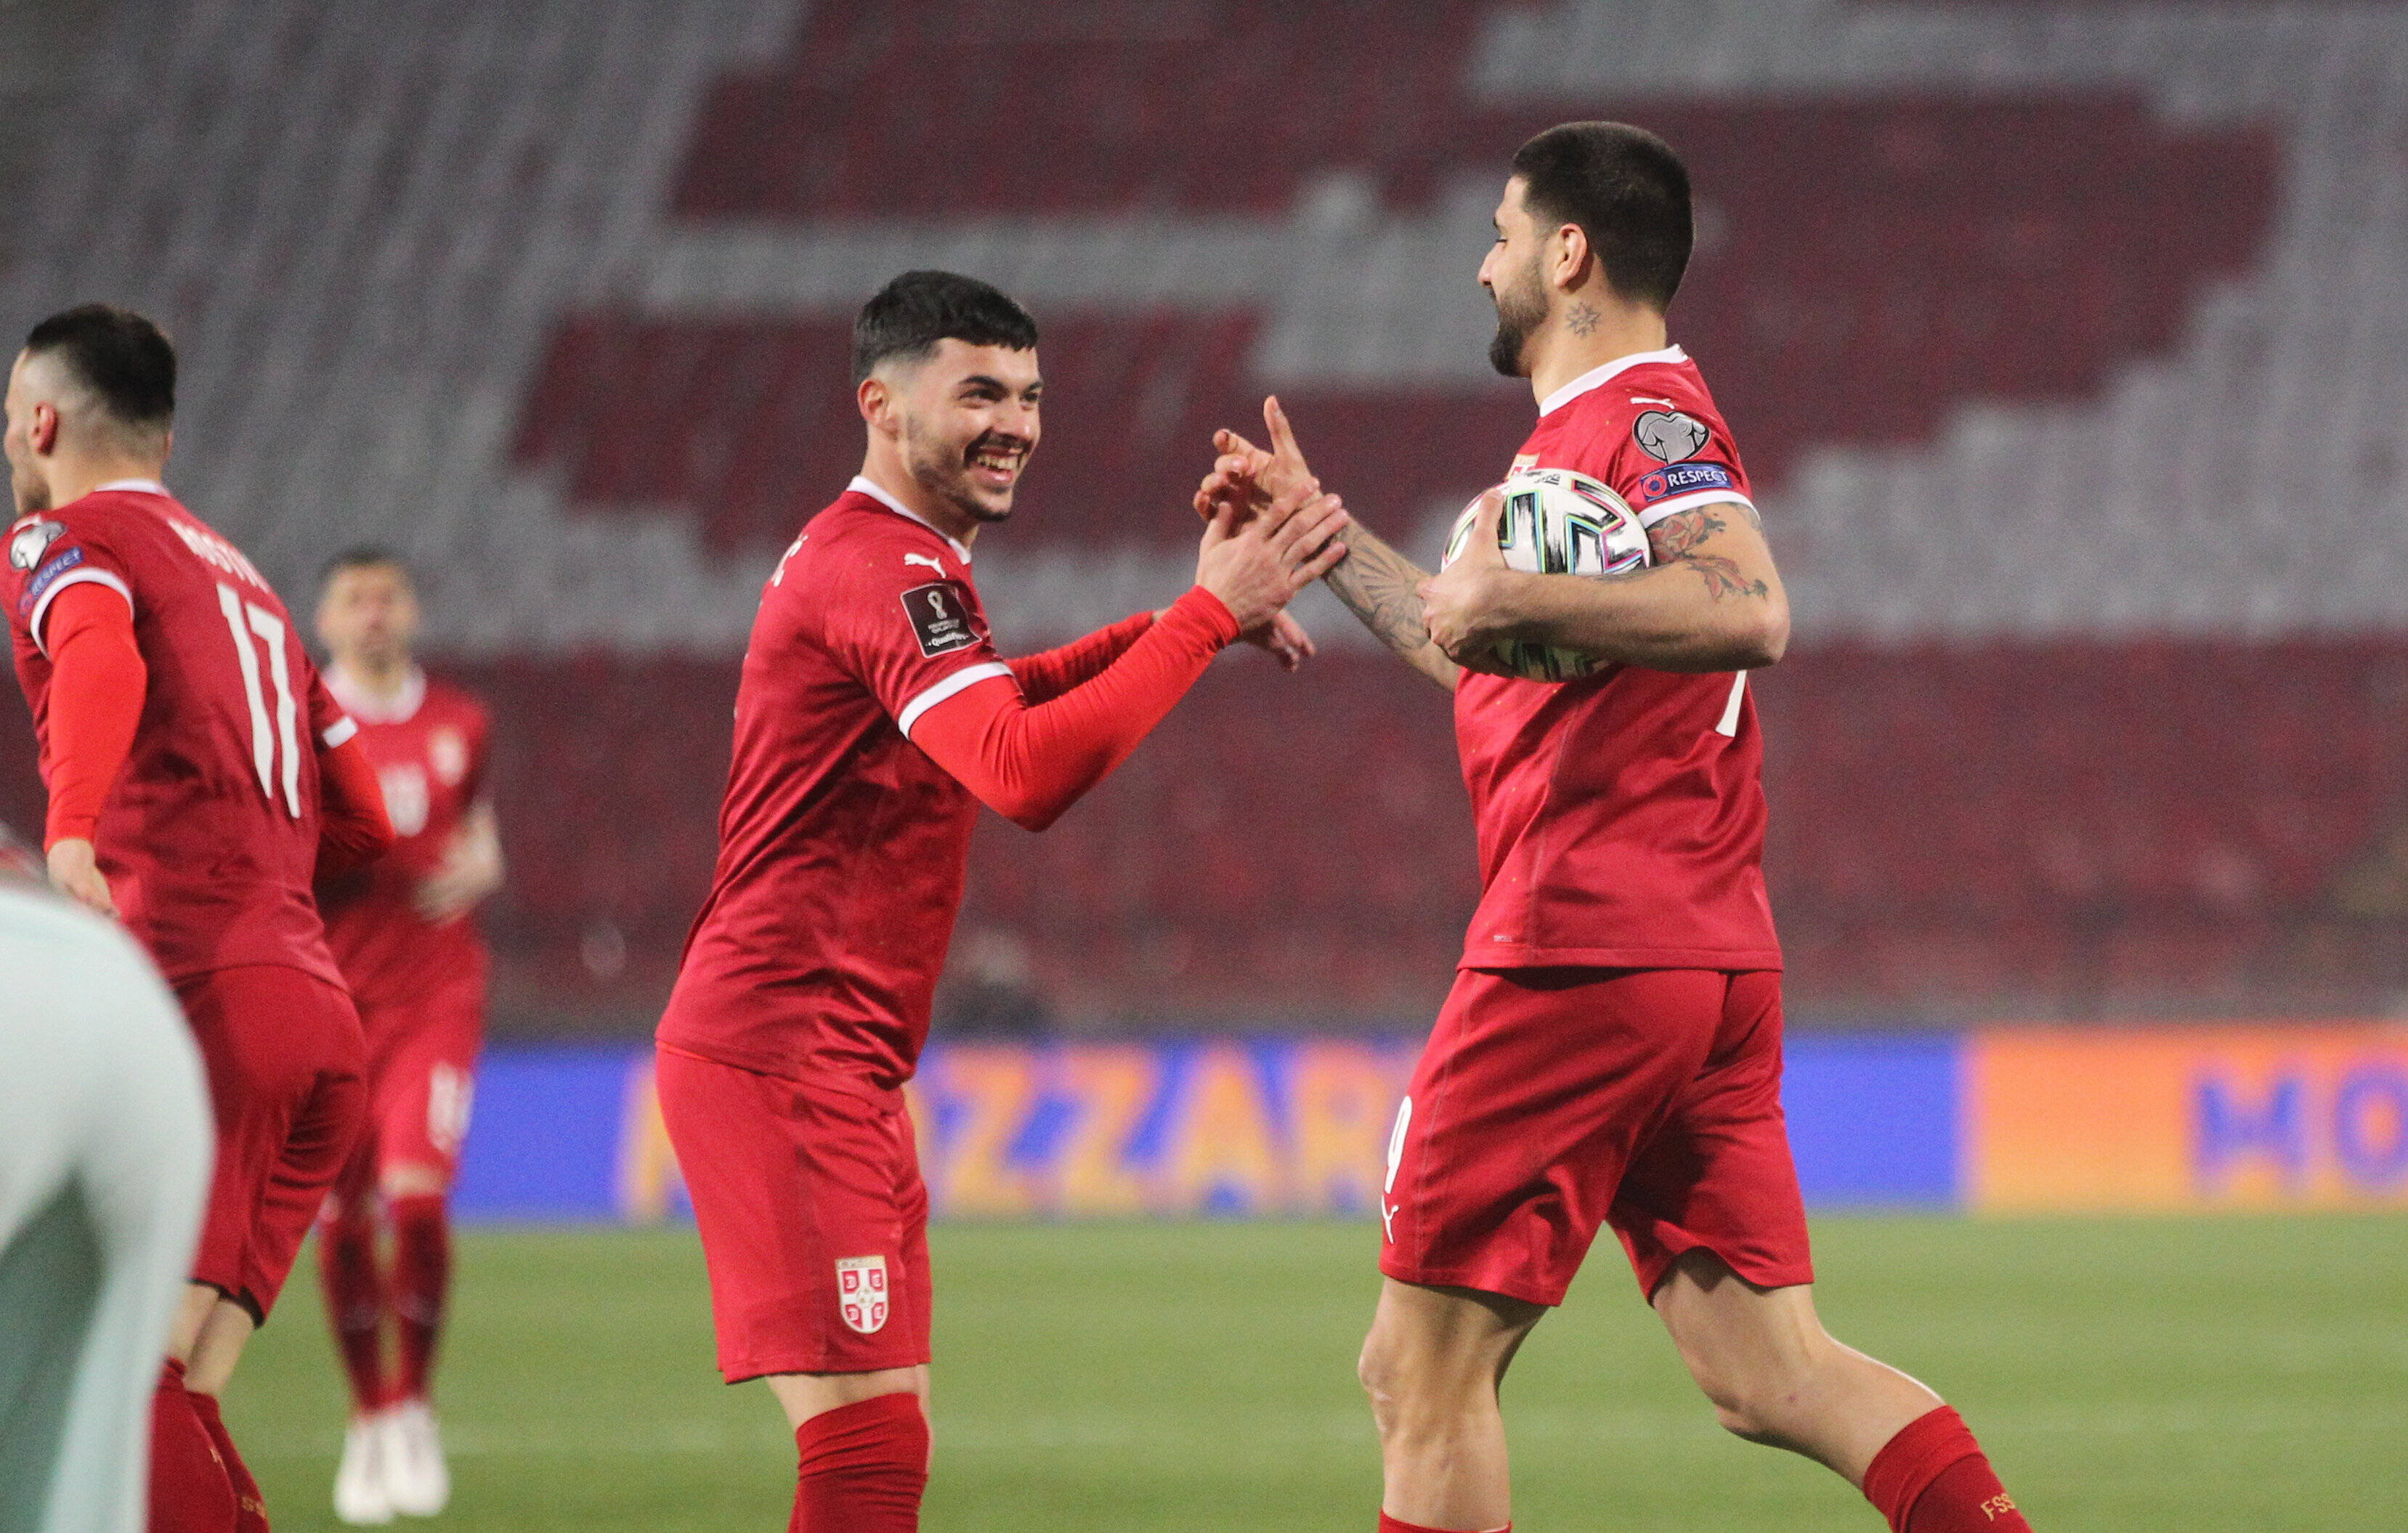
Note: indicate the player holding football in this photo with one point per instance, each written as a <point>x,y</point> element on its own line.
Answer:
<point>198,773</point>
<point>1610,1052</point>
<point>401,931</point>
<point>874,717</point>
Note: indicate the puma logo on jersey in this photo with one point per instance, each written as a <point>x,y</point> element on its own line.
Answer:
<point>929,560</point>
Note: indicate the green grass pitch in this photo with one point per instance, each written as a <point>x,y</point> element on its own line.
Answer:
<point>2127,1376</point>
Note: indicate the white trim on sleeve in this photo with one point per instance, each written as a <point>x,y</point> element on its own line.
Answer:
<point>1663,509</point>
<point>339,731</point>
<point>73,577</point>
<point>961,681</point>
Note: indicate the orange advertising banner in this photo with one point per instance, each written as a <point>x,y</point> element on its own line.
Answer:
<point>2186,1117</point>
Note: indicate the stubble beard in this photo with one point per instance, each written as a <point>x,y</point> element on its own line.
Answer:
<point>946,475</point>
<point>1521,308</point>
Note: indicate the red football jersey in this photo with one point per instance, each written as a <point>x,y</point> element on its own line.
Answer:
<point>842,848</point>
<point>209,835</point>
<point>428,748</point>
<point>1621,816</point>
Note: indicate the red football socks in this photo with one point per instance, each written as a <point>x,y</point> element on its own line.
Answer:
<point>1397,1524</point>
<point>347,1271</point>
<point>190,1491</point>
<point>422,1274</point>
<point>1932,1478</point>
<point>863,1468</point>
<point>250,1506</point>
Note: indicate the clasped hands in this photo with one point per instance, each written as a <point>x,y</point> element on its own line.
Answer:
<point>1468,608</point>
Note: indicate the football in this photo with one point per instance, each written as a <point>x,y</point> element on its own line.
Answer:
<point>1557,523</point>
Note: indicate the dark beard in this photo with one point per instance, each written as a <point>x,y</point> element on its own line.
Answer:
<point>1515,320</point>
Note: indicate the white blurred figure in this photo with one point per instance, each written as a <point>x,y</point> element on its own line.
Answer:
<point>104,1168</point>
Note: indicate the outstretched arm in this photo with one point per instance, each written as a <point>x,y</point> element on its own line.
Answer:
<point>1382,588</point>
<point>1711,602</point>
<point>1050,673</point>
<point>1378,586</point>
<point>1030,761</point>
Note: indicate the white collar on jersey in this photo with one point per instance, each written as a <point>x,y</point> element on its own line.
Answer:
<point>868,487</point>
<point>367,709</point>
<point>147,487</point>
<point>1595,375</point>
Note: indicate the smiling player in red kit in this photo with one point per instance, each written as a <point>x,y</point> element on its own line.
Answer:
<point>1610,1052</point>
<point>873,717</point>
<point>199,774</point>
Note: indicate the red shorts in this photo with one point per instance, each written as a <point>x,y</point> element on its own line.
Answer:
<point>1550,1101</point>
<point>422,1077</point>
<point>814,1220</point>
<point>284,1057</point>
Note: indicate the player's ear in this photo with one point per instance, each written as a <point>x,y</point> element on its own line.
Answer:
<point>1571,256</point>
<point>876,397</point>
<point>44,433</point>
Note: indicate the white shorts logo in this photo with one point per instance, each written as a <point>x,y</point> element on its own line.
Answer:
<point>1396,1155</point>
<point>861,1291</point>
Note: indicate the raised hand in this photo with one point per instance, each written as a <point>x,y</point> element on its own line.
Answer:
<point>1257,567</point>
<point>1252,478</point>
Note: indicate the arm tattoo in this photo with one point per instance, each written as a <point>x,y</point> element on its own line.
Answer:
<point>1677,539</point>
<point>1723,577</point>
<point>1382,587</point>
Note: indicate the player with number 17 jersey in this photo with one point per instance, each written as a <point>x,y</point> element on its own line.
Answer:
<point>209,835</point>
<point>224,773</point>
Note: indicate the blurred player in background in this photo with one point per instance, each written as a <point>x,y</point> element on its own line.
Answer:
<point>104,1168</point>
<point>199,772</point>
<point>873,718</point>
<point>404,934</point>
<point>1610,1052</point>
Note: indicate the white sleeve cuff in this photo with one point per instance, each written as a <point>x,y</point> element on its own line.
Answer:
<point>1663,509</point>
<point>961,681</point>
<point>73,577</point>
<point>339,731</point>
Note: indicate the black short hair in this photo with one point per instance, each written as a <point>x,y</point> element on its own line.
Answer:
<point>909,315</point>
<point>365,556</point>
<point>123,358</point>
<point>1629,192</point>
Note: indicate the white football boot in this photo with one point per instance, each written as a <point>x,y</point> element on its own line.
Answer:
<point>417,1481</point>
<point>360,1497</point>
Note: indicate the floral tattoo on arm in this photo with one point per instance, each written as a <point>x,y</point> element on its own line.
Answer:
<point>1677,539</point>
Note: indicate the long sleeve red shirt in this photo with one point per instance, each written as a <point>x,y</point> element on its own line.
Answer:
<point>1030,743</point>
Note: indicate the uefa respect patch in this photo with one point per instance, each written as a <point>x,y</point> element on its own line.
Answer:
<point>1684,478</point>
<point>46,577</point>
